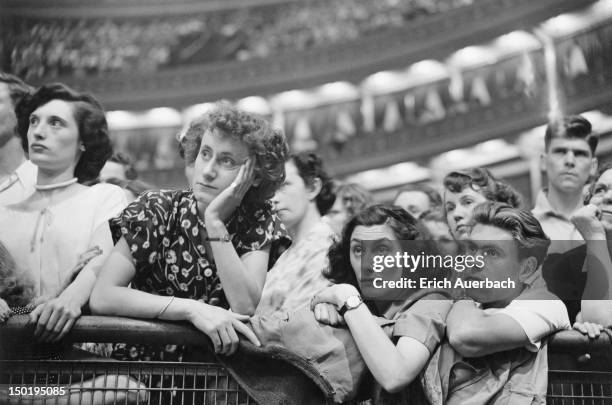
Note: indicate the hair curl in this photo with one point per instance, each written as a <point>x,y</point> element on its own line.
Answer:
<point>310,167</point>
<point>91,122</point>
<point>524,227</point>
<point>483,182</point>
<point>572,127</point>
<point>266,144</point>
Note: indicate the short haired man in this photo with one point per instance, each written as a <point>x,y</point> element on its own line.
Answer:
<point>418,199</point>
<point>17,174</point>
<point>569,161</point>
<point>500,332</point>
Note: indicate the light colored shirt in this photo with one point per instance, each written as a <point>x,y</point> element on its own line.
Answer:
<point>539,312</point>
<point>19,185</point>
<point>47,244</point>
<point>563,234</point>
<point>297,274</point>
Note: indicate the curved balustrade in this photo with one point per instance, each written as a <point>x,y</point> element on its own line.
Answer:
<point>584,81</point>
<point>432,37</point>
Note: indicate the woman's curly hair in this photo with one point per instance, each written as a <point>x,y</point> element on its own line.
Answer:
<point>310,167</point>
<point>483,182</point>
<point>91,122</point>
<point>404,226</point>
<point>266,144</point>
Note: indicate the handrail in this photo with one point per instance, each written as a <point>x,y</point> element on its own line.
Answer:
<point>106,329</point>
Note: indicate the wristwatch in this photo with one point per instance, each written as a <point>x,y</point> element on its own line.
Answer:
<point>351,302</point>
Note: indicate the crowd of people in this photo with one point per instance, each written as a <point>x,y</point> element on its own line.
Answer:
<point>265,248</point>
<point>88,48</point>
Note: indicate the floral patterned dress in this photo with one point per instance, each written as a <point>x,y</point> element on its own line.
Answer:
<point>165,236</point>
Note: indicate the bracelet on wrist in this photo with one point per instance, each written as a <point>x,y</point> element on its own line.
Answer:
<point>224,238</point>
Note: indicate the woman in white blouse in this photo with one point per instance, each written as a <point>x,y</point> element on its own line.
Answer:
<point>60,236</point>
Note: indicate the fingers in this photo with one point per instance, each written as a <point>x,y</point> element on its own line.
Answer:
<point>53,326</point>
<point>35,314</point>
<point>246,332</point>
<point>42,320</point>
<point>216,340</point>
<point>5,310</point>
<point>65,329</point>
<point>592,330</point>
<point>240,317</point>
<point>322,314</point>
<point>234,341</point>
<point>226,341</point>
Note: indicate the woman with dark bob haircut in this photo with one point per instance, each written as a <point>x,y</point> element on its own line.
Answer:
<point>301,201</point>
<point>91,124</point>
<point>59,236</point>
<point>465,189</point>
<point>418,315</point>
<point>195,254</point>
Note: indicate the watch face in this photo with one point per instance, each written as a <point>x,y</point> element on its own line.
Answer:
<point>353,301</point>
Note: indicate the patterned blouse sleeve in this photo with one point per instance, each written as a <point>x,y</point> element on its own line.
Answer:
<point>142,224</point>
<point>255,231</point>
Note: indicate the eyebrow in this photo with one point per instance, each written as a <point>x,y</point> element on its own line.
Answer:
<point>566,149</point>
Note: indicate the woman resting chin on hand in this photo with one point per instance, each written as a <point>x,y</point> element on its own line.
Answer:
<point>194,254</point>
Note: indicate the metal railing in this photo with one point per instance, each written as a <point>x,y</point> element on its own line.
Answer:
<point>94,381</point>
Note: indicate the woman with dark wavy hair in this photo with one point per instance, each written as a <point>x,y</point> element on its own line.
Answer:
<point>195,254</point>
<point>302,200</point>
<point>465,189</point>
<point>60,235</point>
<point>418,315</point>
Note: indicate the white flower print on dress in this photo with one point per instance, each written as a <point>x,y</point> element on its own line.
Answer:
<point>170,256</point>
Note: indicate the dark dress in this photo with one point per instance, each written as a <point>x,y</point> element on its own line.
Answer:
<point>165,237</point>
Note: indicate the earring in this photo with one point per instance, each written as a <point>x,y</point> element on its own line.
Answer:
<point>82,147</point>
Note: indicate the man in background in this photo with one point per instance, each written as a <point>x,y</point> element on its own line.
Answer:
<point>17,174</point>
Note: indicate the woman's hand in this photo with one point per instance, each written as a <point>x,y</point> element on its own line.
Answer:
<point>335,295</point>
<point>54,318</point>
<point>221,325</point>
<point>226,202</point>
<point>328,314</point>
<point>5,311</point>
<point>592,330</point>
<point>587,221</point>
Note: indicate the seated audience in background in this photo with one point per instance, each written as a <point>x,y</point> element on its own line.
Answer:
<point>394,360</point>
<point>569,161</point>
<point>59,236</point>
<point>17,174</point>
<point>465,189</point>
<point>499,332</point>
<point>119,166</point>
<point>582,276</point>
<point>120,171</point>
<point>300,202</point>
<point>418,199</point>
<point>350,199</point>
<point>195,254</point>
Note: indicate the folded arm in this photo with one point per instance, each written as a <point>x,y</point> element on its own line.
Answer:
<point>473,333</point>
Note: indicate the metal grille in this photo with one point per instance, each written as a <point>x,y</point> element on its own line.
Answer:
<point>111,382</point>
<point>579,387</point>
